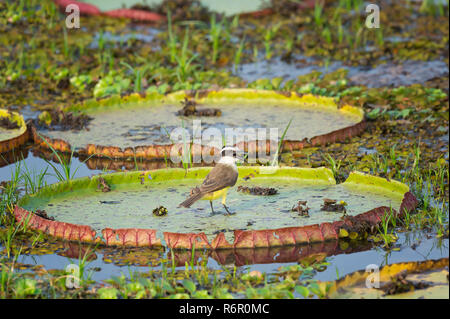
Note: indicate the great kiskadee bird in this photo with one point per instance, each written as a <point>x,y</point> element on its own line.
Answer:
<point>223,176</point>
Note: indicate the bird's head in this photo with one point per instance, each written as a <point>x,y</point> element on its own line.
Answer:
<point>231,153</point>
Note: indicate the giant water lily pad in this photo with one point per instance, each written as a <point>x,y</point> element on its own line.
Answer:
<point>13,130</point>
<point>122,215</point>
<point>140,126</point>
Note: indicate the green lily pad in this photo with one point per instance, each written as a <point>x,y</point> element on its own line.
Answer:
<point>135,121</point>
<point>134,195</point>
<point>13,130</point>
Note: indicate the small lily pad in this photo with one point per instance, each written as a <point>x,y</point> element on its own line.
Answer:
<point>13,130</point>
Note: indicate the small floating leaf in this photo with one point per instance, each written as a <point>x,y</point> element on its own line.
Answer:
<point>353,235</point>
<point>343,233</point>
<point>160,211</point>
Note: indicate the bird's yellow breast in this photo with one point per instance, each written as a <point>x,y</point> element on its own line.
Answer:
<point>216,195</point>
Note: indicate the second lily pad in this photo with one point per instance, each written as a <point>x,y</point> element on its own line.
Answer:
<point>146,127</point>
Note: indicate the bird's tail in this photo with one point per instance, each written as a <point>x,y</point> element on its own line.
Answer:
<point>195,196</point>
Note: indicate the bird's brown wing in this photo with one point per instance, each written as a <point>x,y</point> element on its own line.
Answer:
<point>221,176</point>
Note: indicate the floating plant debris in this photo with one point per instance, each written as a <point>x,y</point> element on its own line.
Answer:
<point>43,214</point>
<point>260,191</point>
<point>6,123</point>
<point>160,211</point>
<point>249,176</point>
<point>60,120</point>
<point>109,201</point>
<point>103,186</point>
<point>301,208</point>
<point>190,109</point>
<point>399,284</point>
<point>331,205</point>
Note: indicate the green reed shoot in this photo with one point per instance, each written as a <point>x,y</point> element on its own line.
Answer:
<point>138,75</point>
<point>268,37</point>
<point>172,41</point>
<point>66,173</point>
<point>280,144</point>
<point>335,165</point>
<point>237,57</point>
<point>318,10</point>
<point>184,61</point>
<point>215,32</point>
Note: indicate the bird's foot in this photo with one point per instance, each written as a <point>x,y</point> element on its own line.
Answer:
<point>228,211</point>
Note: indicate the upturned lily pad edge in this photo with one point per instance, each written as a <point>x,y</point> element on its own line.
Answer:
<point>385,273</point>
<point>156,151</point>
<point>287,236</point>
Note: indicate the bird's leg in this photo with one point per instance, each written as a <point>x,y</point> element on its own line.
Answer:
<point>224,200</point>
<point>212,209</point>
<point>228,211</point>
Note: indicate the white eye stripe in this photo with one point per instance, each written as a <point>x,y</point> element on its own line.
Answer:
<point>230,151</point>
<point>230,148</point>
